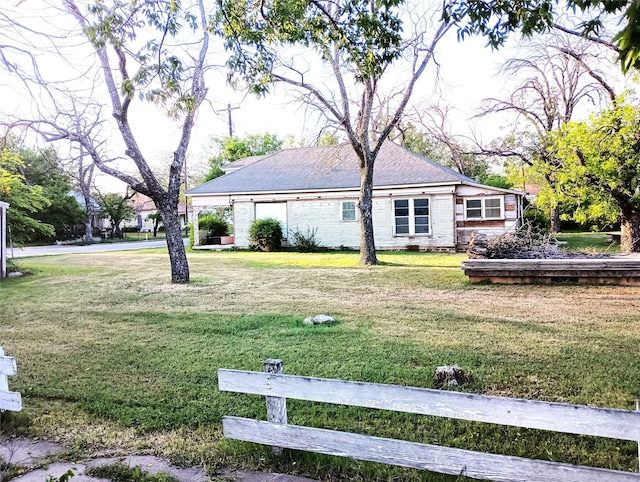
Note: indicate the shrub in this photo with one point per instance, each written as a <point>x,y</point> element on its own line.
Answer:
<point>214,225</point>
<point>536,217</point>
<point>265,235</point>
<point>191,235</point>
<point>304,242</point>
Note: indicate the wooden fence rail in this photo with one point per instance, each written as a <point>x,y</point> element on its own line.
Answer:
<point>8,400</point>
<point>277,387</point>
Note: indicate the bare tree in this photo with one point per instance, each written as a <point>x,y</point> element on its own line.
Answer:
<point>558,76</point>
<point>167,70</point>
<point>360,62</point>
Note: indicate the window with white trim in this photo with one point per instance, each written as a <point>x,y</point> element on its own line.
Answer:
<point>348,211</point>
<point>484,208</point>
<point>411,217</point>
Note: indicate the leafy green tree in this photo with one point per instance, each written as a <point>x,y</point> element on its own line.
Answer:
<point>24,200</point>
<point>156,218</point>
<point>554,79</point>
<point>600,170</point>
<point>116,207</point>
<point>234,148</point>
<point>43,168</point>
<point>358,42</point>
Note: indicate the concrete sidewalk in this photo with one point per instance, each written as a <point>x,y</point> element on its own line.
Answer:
<point>23,452</point>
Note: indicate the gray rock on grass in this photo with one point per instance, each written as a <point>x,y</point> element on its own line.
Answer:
<point>319,320</point>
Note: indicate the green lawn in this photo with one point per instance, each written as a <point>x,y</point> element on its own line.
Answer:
<point>113,358</point>
<point>588,241</point>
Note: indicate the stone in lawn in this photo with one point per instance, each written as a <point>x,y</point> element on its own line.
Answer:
<point>319,320</point>
<point>449,375</point>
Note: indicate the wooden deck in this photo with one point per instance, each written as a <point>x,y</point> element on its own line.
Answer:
<point>622,270</point>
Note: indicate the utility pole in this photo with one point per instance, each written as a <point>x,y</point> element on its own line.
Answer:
<point>229,109</point>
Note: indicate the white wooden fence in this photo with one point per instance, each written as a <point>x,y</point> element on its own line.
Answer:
<point>8,400</point>
<point>277,387</point>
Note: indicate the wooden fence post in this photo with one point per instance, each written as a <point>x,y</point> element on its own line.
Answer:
<point>4,381</point>
<point>276,406</point>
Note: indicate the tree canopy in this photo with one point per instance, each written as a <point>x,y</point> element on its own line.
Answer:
<point>234,148</point>
<point>600,170</point>
<point>24,200</point>
<point>358,42</point>
<point>116,207</point>
<point>42,167</point>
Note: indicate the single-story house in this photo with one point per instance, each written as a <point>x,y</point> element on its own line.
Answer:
<point>417,203</point>
<point>3,239</point>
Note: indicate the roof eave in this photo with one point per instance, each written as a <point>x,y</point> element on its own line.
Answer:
<point>501,189</point>
<point>332,189</point>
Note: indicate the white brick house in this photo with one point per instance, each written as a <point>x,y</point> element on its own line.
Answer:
<point>417,203</point>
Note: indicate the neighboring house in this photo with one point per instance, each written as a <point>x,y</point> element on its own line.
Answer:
<point>3,239</point>
<point>98,222</point>
<point>417,203</point>
<point>144,205</point>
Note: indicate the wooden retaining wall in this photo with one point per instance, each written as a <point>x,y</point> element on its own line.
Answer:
<point>618,271</point>
<point>277,387</point>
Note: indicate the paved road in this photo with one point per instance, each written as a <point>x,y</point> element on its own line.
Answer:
<point>90,248</point>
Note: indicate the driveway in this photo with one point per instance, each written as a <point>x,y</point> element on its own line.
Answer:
<point>90,248</point>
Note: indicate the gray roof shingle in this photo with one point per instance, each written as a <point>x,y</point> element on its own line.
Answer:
<point>329,167</point>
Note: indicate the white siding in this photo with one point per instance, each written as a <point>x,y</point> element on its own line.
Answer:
<point>325,216</point>
<point>243,217</point>
<point>442,234</point>
<point>322,210</point>
<point>466,227</point>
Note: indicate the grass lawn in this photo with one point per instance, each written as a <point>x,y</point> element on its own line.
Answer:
<point>112,358</point>
<point>589,242</point>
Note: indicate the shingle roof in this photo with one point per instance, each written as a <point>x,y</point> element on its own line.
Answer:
<point>329,167</point>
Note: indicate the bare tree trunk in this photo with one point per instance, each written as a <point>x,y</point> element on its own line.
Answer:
<point>88,231</point>
<point>86,195</point>
<point>630,233</point>
<point>365,204</point>
<point>554,217</point>
<point>175,245</point>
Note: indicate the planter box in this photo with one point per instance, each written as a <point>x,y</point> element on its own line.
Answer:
<point>617,271</point>
<point>216,240</point>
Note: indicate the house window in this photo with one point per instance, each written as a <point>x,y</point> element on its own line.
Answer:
<point>411,216</point>
<point>483,208</point>
<point>348,211</point>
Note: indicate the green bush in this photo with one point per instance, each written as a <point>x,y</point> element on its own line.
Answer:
<point>304,242</point>
<point>191,235</point>
<point>214,225</point>
<point>536,217</point>
<point>265,235</point>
